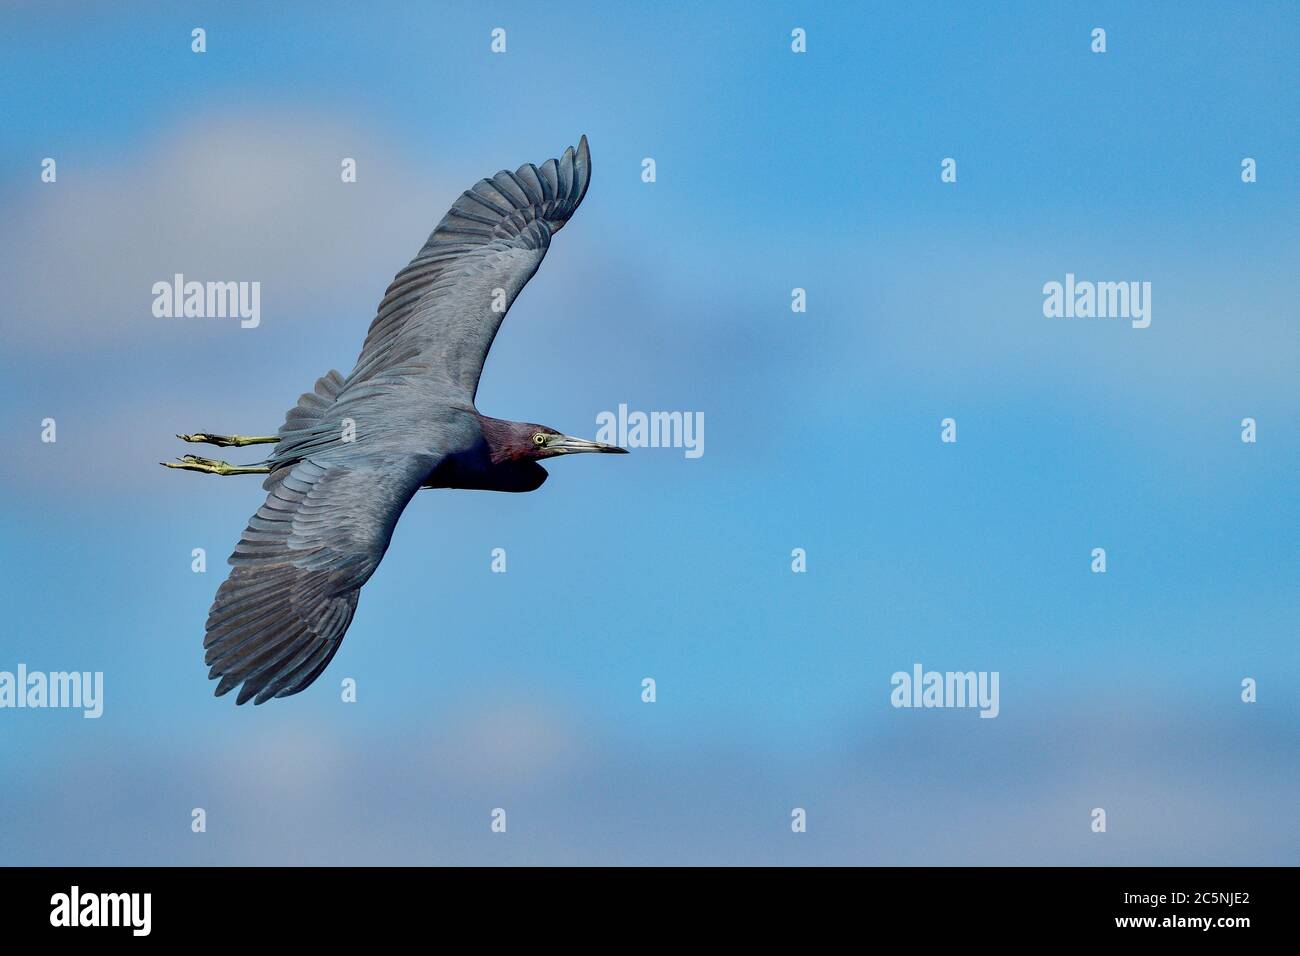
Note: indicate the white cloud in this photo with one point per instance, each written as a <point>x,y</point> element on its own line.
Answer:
<point>223,197</point>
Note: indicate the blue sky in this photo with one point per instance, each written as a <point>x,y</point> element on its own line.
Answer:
<point>774,171</point>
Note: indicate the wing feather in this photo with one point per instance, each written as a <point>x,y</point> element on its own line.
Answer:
<point>299,567</point>
<point>439,316</point>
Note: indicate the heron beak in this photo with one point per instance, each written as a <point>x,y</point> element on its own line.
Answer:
<point>568,445</point>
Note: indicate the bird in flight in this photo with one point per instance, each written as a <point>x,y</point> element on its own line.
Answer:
<point>353,452</point>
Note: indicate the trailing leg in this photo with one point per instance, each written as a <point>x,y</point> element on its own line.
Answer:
<point>210,466</point>
<point>226,441</point>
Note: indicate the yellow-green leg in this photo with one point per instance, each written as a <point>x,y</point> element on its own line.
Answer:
<point>211,466</point>
<point>226,441</point>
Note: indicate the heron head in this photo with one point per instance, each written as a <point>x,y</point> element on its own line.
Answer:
<point>525,442</point>
<point>542,442</point>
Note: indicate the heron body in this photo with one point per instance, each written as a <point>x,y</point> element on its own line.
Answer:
<point>353,452</point>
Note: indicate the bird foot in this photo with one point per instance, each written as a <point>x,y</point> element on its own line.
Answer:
<point>210,466</point>
<point>226,441</point>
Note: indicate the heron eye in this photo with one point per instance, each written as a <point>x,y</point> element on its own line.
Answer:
<point>539,439</point>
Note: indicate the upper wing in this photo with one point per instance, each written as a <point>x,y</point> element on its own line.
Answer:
<point>440,314</point>
<point>443,310</point>
<point>299,567</point>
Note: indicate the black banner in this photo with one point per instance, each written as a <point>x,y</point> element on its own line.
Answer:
<point>333,905</point>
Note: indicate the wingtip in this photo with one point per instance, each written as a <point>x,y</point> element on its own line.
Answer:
<point>582,166</point>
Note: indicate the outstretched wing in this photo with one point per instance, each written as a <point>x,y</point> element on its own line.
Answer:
<point>431,335</point>
<point>299,567</point>
<point>443,310</point>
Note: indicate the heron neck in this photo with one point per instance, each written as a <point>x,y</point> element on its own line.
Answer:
<point>501,437</point>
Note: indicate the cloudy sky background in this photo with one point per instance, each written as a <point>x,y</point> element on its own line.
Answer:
<point>522,690</point>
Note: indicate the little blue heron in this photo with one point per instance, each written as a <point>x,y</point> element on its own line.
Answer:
<point>351,454</point>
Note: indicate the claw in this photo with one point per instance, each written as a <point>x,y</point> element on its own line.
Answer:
<point>211,466</point>
<point>203,438</point>
<point>227,441</point>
